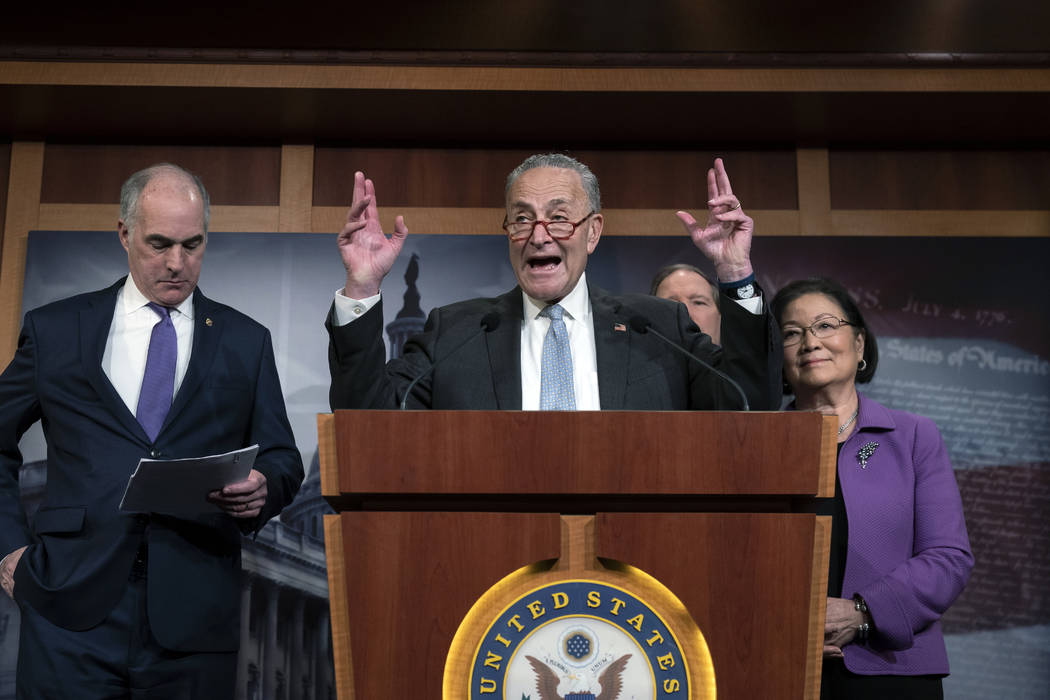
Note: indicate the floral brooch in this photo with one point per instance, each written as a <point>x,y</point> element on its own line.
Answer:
<point>865,453</point>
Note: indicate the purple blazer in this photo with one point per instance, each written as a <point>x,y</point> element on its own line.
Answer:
<point>908,554</point>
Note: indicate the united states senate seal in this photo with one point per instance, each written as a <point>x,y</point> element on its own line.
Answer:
<point>588,639</point>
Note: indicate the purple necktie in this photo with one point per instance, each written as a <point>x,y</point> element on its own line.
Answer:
<point>158,381</point>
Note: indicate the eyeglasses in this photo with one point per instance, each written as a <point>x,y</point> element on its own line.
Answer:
<point>517,230</point>
<point>821,328</point>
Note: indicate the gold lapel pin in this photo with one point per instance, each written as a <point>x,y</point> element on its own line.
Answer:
<point>207,322</point>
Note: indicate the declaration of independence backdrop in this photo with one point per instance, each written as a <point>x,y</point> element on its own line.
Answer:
<point>962,329</point>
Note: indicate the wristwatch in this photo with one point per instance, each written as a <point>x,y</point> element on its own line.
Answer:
<point>745,292</point>
<point>740,289</point>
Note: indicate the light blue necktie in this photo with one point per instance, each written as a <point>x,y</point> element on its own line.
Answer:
<point>158,381</point>
<point>556,387</point>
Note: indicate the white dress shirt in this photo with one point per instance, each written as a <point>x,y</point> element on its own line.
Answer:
<point>124,360</point>
<point>579,322</point>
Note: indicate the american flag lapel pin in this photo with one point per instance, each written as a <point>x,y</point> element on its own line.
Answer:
<point>619,327</point>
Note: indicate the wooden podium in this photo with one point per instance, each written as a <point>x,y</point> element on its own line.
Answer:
<point>434,507</point>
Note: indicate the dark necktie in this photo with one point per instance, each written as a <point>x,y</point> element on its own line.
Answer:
<point>158,381</point>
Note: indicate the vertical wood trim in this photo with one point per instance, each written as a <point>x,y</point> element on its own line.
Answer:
<point>814,192</point>
<point>828,457</point>
<point>23,211</point>
<point>818,604</point>
<point>327,457</point>
<point>577,544</point>
<point>297,188</point>
<point>5,167</point>
<point>335,554</point>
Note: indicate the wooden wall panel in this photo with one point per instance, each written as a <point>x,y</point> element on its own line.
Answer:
<point>813,196</point>
<point>417,177</point>
<point>485,221</point>
<point>764,179</point>
<point>93,174</point>
<point>637,109</point>
<point>940,179</point>
<point>297,184</point>
<point>475,177</point>
<point>5,166</point>
<point>103,217</point>
<point>20,217</point>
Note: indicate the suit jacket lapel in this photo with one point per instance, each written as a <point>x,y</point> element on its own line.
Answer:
<point>504,346</point>
<point>207,332</point>
<point>95,321</point>
<point>611,346</point>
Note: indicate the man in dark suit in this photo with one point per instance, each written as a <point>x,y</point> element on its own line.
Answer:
<point>114,604</point>
<point>555,341</point>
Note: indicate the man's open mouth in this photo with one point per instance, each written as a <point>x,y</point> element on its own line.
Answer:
<point>544,263</point>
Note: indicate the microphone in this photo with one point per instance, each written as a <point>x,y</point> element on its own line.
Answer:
<point>642,325</point>
<point>489,322</point>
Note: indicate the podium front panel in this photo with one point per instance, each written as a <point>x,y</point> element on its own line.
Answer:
<point>411,577</point>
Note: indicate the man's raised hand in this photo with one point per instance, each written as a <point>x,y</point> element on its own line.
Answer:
<point>726,237</point>
<point>368,255</point>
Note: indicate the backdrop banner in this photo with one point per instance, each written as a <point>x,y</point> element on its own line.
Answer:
<point>963,333</point>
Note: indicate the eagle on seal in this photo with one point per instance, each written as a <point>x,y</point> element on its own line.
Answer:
<point>610,680</point>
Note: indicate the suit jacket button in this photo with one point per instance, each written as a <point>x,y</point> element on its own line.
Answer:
<point>154,453</point>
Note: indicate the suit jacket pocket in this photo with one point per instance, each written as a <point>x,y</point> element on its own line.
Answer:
<point>57,521</point>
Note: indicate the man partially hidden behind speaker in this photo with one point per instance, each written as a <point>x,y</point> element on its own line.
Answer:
<point>561,342</point>
<point>114,604</point>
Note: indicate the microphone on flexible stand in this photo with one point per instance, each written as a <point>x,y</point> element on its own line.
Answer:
<point>642,325</point>
<point>489,322</point>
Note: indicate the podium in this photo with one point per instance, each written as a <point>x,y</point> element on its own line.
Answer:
<point>435,507</point>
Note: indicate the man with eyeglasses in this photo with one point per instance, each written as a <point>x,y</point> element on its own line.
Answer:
<point>555,342</point>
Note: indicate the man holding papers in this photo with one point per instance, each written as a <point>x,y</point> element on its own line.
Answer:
<point>118,604</point>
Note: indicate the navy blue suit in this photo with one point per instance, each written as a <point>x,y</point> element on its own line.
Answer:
<point>80,547</point>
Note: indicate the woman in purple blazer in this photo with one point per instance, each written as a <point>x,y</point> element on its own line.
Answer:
<point>899,551</point>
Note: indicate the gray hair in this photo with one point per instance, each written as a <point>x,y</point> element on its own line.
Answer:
<point>132,189</point>
<point>560,160</point>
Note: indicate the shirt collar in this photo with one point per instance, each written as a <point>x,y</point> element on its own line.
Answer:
<point>132,300</point>
<point>576,303</point>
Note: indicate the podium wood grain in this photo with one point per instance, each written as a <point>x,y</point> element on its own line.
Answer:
<point>744,577</point>
<point>605,452</point>
<point>412,577</point>
<point>437,506</point>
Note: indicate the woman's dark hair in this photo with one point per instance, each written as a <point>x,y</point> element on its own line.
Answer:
<point>836,292</point>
